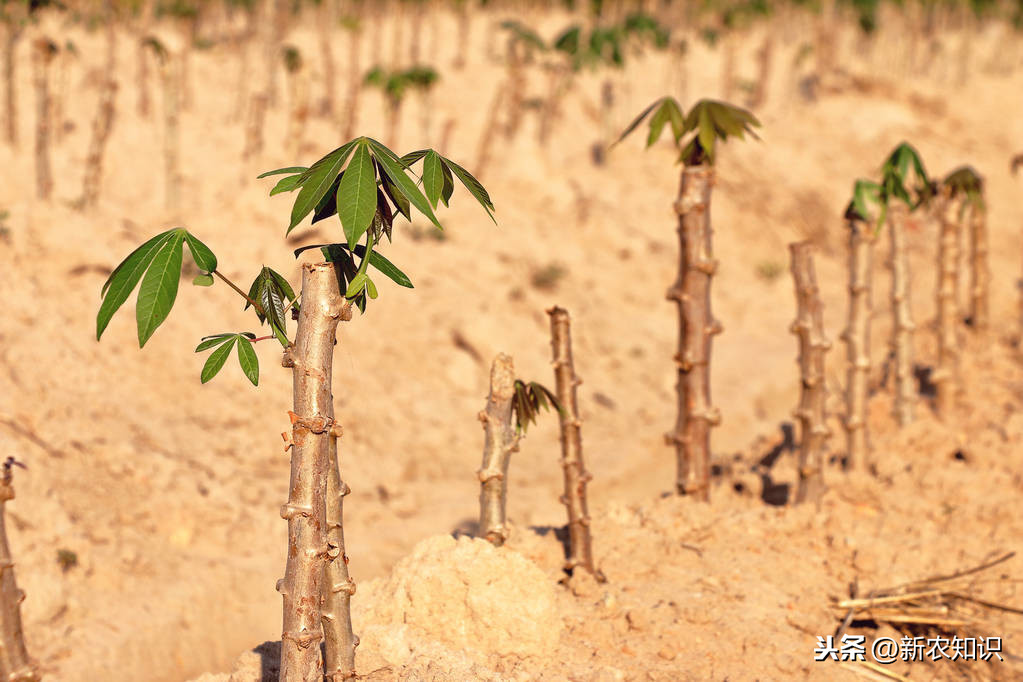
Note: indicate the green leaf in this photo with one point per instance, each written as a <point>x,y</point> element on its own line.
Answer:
<point>412,157</point>
<point>401,181</point>
<point>159,287</point>
<point>283,171</point>
<point>449,184</point>
<point>125,276</point>
<point>371,289</point>
<point>248,361</point>
<point>203,281</point>
<point>284,285</point>
<point>211,341</point>
<point>316,182</point>
<point>386,267</point>
<point>201,254</point>
<point>706,134</point>
<point>328,204</point>
<point>639,119</point>
<point>433,177</point>
<point>473,185</point>
<point>657,122</point>
<point>356,285</point>
<point>216,360</point>
<point>397,198</point>
<point>357,195</point>
<point>287,184</point>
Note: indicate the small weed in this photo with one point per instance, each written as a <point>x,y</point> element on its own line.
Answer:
<point>547,277</point>
<point>419,233</point>
<point>769,270</point>
<point>66,559</point>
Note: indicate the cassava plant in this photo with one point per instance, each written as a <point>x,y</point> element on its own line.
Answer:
<point>580,544</point>
<point>967,184</point>
<point>706,123</point>
<point>961,191</point>
<point>298,96</point>
<point>367,186</point>
<point>170,83</point>
<point>512,406</point>
<point>395,85</point>
<point>15,664</point>
<point>103,124</point>
<point>813,345</point>
<point>857,332</point>
<point>896,186</point>
<point>43,52</point>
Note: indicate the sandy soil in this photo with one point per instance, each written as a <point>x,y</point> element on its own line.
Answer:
<point>168,491</point>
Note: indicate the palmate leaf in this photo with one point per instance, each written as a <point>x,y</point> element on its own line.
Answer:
<point>474,186</point>
<point>338,252</point>
<point>282,171</point>
<point>272,291</point>
<point>157,263</point>
<point>317,181</point>
<point>247,358</point>
<point>527,402</point>
<point>395,171</point>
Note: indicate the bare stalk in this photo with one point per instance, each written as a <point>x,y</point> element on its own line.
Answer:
<point>499,442</point>
<point>489,129</point>
<point>857,341</point>
<point>980,272</point>
<point>946,374</point>
<point>697,326</point>
<point>15,664</point>
<point>580,546</point>
<point>463,35</point>
<point>813,344</point>
<point>142,62</point>
<point>43,52</point>
<point>311,356</point>
<point>904,406</point>
<point>14,31</point>
<point>338,587</point>
<point>326,25</point>
<point>169,79</point>
<point>764,55</point>
<point>102,126</point>
<point>254,126</point>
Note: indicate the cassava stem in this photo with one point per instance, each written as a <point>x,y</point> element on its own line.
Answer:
<point>813,344</point>
<point>980,272</point>
<point>499,442</point>
<point>338,587</point>
<point>15,664</point>
<point>946,374</point>
<point>580,545</point>
<point>102,125</point>
<point>697,326</point>
<point>311,357</point>
<point>10,81</point>
<point>170,81</point>
<point>43,51</point>
<point>857,340</point>
<point>904,405</point>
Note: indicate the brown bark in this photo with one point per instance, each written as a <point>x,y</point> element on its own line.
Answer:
<point>43,51</point>
<point>980,272</point>
<point>10,81</point>
<point>697,326</point>
<point>338,587</point>
<point>15,664</point>
<point>311,357</point>
<point>857,340</point>
<point>499,442</point>
<point>946,374</point>
<point>813,344</point>
<point>580,546</point>
<point>904,405</point>
<point>102,126</point>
